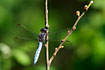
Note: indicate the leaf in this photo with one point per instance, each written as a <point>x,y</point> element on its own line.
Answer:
<point>5,49</point>
<point>21,57</point>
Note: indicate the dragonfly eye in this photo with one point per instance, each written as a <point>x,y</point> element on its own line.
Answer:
<point>46,27</point>
<point>43,30</point>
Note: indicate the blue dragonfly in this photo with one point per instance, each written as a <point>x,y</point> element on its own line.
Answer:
<point>40,38</point>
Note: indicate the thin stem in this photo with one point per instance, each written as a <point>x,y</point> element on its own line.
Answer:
<point>60,46</point>
<point>79,17</point>
<point>46,14</point>
<point>46,44</point>
<point>70,32</point>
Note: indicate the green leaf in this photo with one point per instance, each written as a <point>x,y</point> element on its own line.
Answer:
<point>21,57</point>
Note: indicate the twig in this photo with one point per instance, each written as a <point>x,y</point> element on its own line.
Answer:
<point>86,7</point>
<point>47,27</point>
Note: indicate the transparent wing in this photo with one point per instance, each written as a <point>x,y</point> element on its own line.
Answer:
<point>23,39</point>
<point>28,35</point>
<point>25,32</point>
<point>59,35</point>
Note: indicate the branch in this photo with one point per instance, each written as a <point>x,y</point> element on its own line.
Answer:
<point>86,7</point>
<point>47,27</point>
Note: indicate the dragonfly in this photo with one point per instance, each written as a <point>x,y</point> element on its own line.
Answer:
<point>40,38</point>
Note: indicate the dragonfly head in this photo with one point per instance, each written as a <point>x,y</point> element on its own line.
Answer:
<point>43,30</point>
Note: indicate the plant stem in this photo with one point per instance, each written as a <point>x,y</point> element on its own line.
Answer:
<point>46,44</point>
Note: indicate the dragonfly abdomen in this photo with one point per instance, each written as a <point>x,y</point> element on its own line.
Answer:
<point>37,52</point>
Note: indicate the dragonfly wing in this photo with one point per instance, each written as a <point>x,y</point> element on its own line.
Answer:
<point>21,40</point>
<point>37,52</point>
<point>25,32</point>
<point>59,35</point>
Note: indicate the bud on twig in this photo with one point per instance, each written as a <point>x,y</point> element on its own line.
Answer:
<point>86,7</point>
<point>55,48</point>
<point>62,46</point>
<point>74,27</point>
<point>68,31</point>
<point>91,2</point>
<point>78,13</point>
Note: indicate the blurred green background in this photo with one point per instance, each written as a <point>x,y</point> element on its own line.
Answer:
<point>87,51</point>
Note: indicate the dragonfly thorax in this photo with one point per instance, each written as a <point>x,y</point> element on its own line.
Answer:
<point>43,30</point>
<point>42,35</point>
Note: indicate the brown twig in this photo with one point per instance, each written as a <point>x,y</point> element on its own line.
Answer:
<point>46,44</point>
<point>86,7</point>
